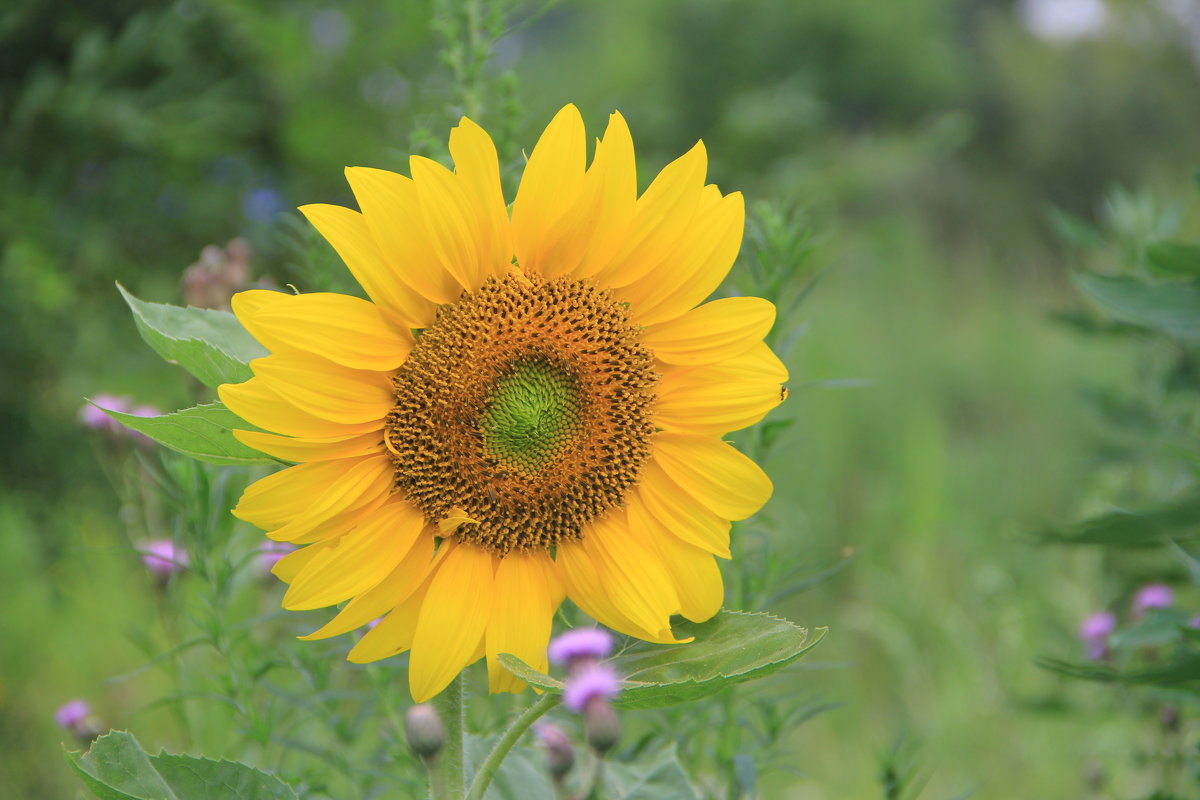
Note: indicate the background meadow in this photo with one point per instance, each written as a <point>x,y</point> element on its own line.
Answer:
<point>929,172</point>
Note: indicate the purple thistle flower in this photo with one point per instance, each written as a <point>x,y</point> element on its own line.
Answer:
<point>72,714</point>
<point>1095,630</point>
<point>1194,622</point>
<point>1152,595</point>
<point>594,682</point>
<point>163,558</point>
<point>93,417</point>
<point>580,643</point>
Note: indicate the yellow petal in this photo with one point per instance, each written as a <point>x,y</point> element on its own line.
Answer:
<point>346,330</point>
<point>634,577</point>
<point>311,449</point>
<point>452,621</point>
<point>288,567</point>
<point>695,574</point>
<point>388,594</point>
<point>693,269</point>
<point>679,512</point>
<point>715,474</point>
<point>551,181</point>
<point>454,517</point>
<point>714,399</point>
<point>587,236</point>
<point>521,618</point>
<point>325,389</point>
<point>352,483</point>
<point>447,215</point>
<point>259,404</point>
<point>351,237</point>
<point>358,560</point>
<point>584,583</point>
<point>394,633</point>
<point>478,170</point>
<point>713,332</point>
<point>393,213</point>
<point>661,218</point>
<point>280,497</point>
<point>252,301</point>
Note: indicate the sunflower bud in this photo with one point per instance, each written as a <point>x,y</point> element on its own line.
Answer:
<point>424,731</point>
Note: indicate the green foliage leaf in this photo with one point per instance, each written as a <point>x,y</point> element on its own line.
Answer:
<point>658,777</point>
<point>211,345</point>
<point>730,648</point>
<point>1175,258</point>
<point>1170,307</point>
<point>1148,527</point>
<point>202,432</point>
<point>117,768</point>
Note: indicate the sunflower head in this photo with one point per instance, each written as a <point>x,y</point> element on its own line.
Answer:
<point>528,407</point>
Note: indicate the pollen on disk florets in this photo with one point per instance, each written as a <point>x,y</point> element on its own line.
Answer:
<point>525,407</point>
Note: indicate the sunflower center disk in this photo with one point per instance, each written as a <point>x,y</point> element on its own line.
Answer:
<point>526,404</point>
<point>533,414</point>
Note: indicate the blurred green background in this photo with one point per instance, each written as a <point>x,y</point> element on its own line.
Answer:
<point>929,143</point>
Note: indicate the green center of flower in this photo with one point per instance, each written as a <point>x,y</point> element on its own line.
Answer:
<point>532,415</point>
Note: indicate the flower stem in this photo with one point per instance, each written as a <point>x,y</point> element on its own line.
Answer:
<point>488,769</point>
<point>447,773</point>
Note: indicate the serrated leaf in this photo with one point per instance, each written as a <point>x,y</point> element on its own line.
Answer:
<point>117,768</point>
<point>732,647</point>
<point>1170,307</point>
<point>194,778</point>
<point>202,432</point>
<point>1175,258</point>
<point>1147,527</point>
<point>659,777</point>
<point>211,345</point>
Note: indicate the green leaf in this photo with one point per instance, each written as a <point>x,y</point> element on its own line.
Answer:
<point>212,345</point>
<point>1175,258</point>
<point>1170,307</point>
<point>117,768</point>
<point>1149,527</point>
<point>732,647</point>
<point>1161,626</point>
<point>202,432</point>
<point>659,777</point>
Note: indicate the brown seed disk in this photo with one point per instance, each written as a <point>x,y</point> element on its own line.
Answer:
<point>443,431</point>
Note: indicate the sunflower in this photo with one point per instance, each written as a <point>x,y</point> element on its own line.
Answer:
<point>527,408</point>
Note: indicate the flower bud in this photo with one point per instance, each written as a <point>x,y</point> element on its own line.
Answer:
<point>597,680</point>
<point>602,726</point>
<point>580,644</point>
<point>76,716</point>
<point>424,731</point>
<point>560,755</point>
<point>1095,630</point>
<point>1152,595</point>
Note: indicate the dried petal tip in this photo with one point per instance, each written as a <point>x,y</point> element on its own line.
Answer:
<point>596,681</point>
<point>592,643</point>
<point>1153,595</point>
<point>424,730</point>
